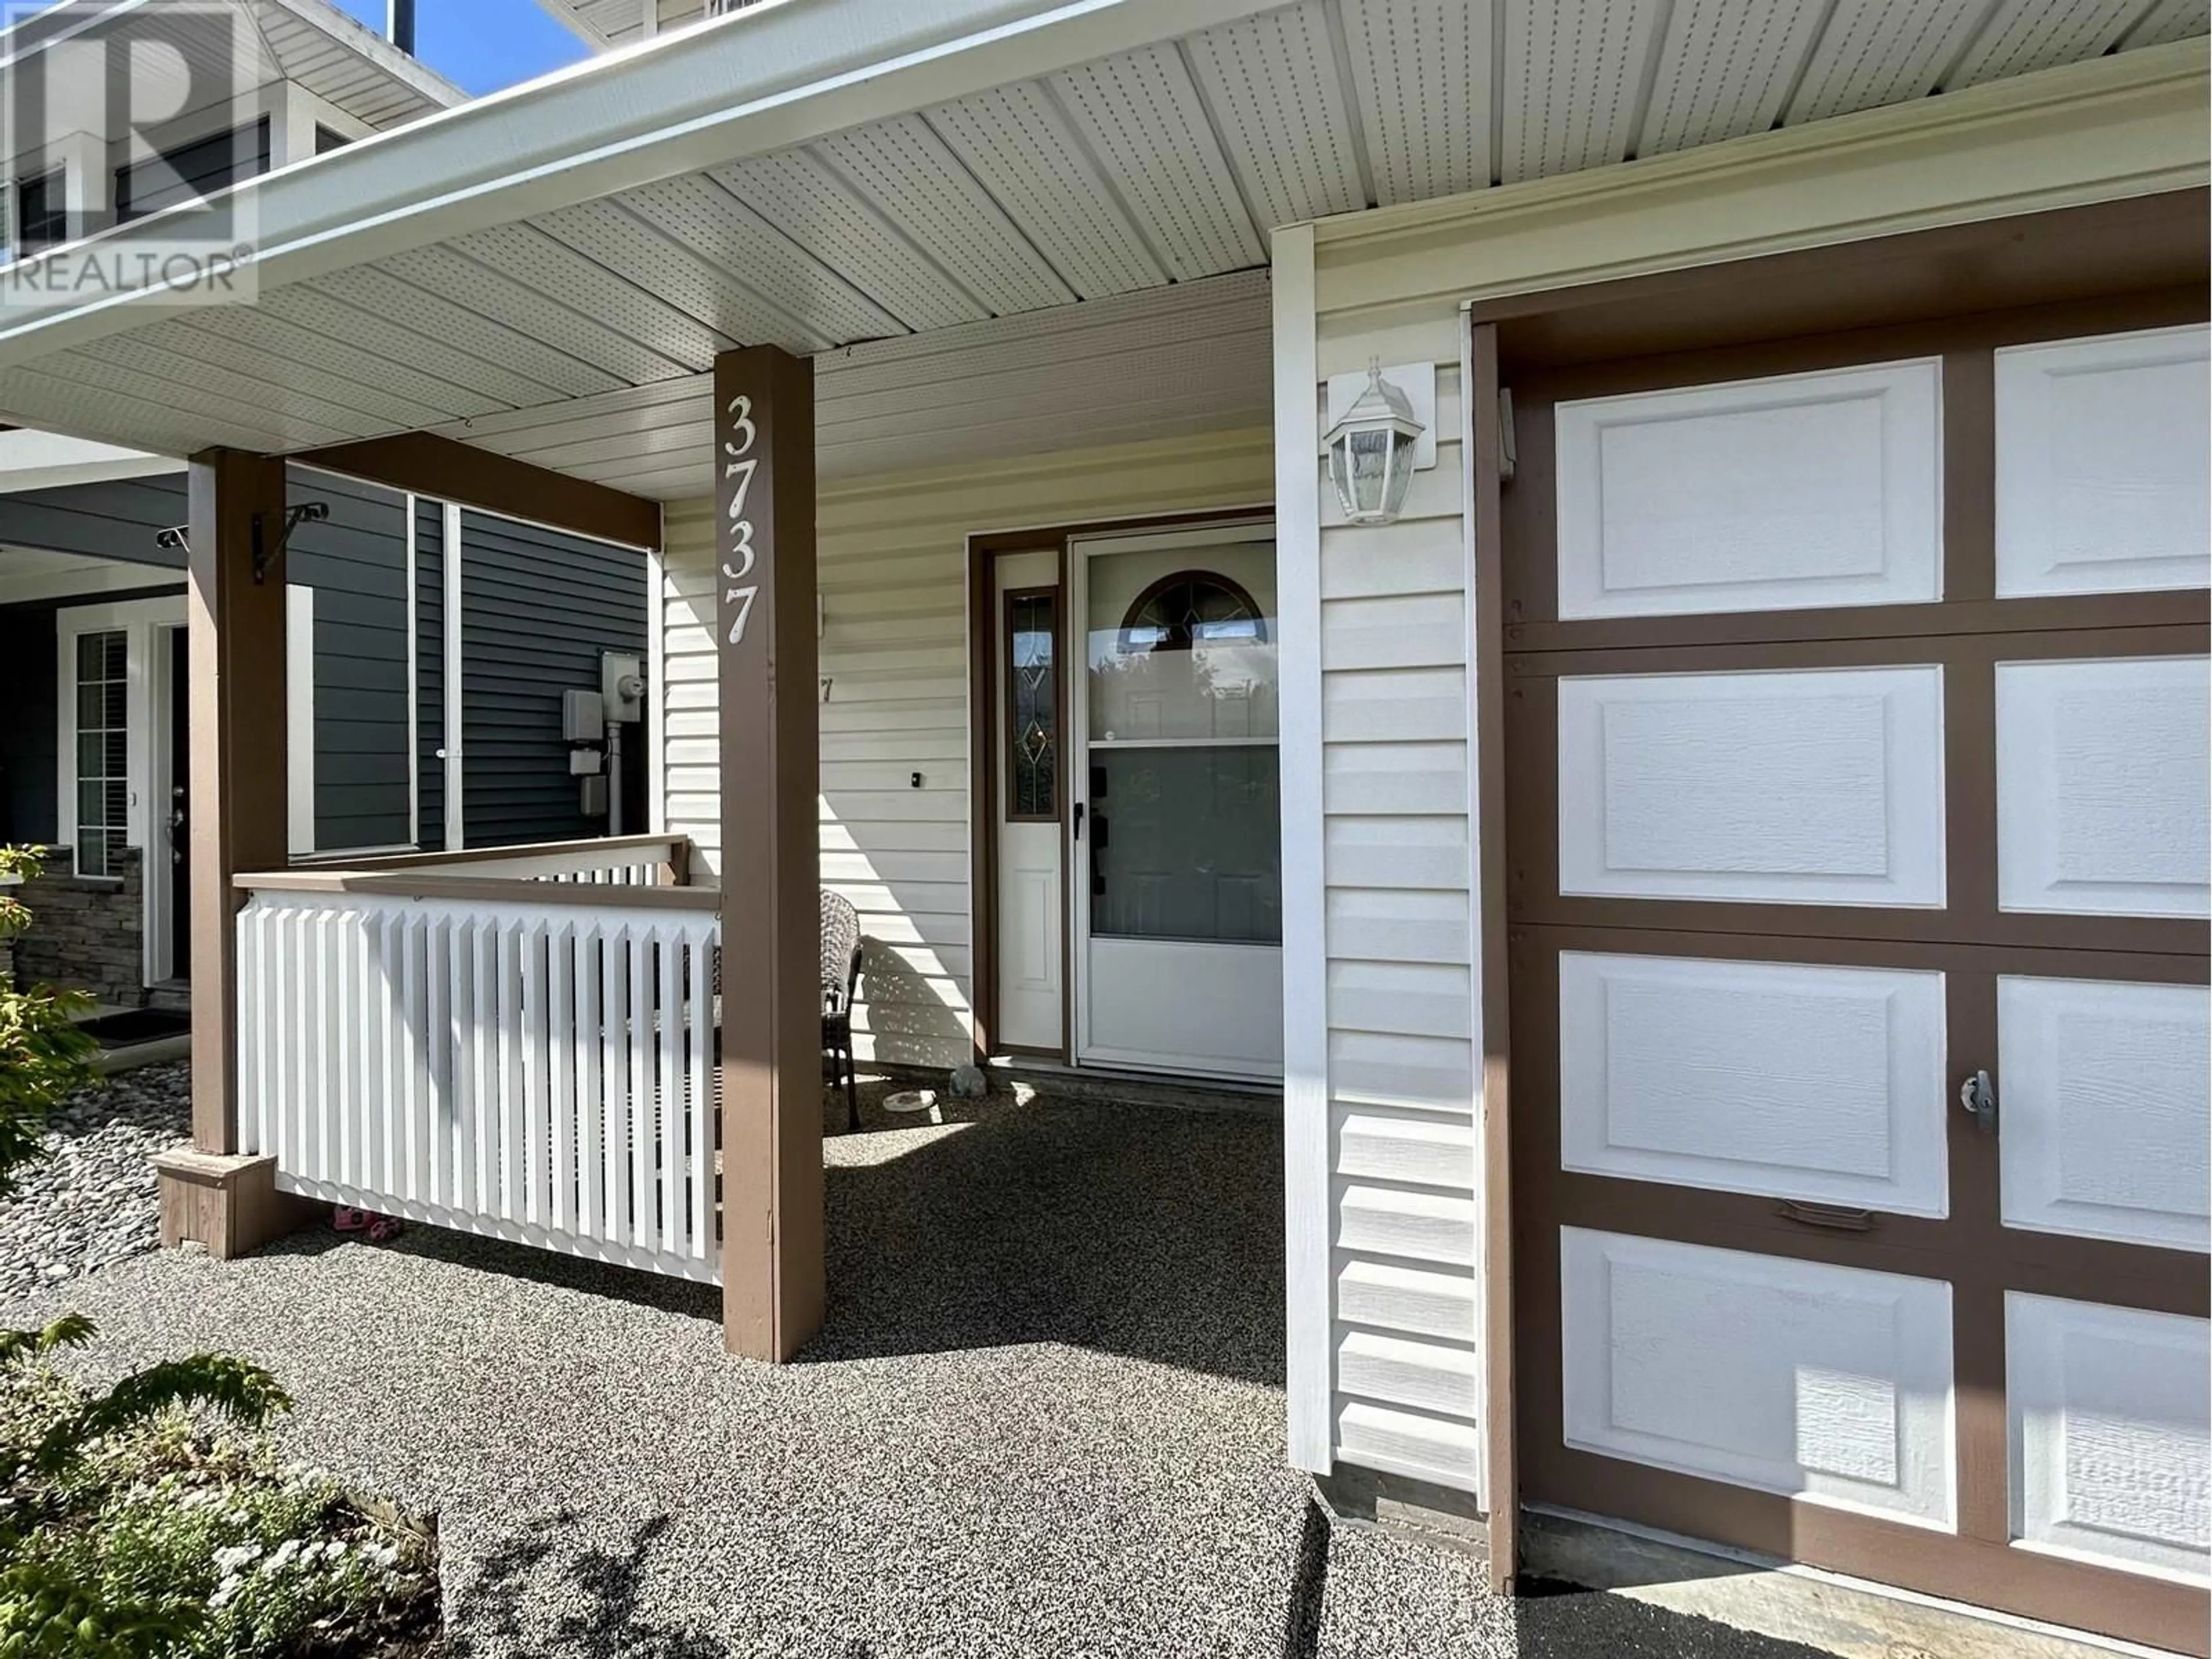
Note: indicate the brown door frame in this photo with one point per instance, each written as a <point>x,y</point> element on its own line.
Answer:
<point>985,625</point>
<point>1958,292</point>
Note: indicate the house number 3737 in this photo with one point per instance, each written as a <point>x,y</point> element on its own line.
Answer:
<point>737,463</point>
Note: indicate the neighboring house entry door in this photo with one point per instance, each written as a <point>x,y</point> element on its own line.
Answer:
<point>1176,845</point>
<point>175,845</point>
<point>1857,795</point>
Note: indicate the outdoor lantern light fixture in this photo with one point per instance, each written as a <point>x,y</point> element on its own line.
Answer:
<point>1371,451</point>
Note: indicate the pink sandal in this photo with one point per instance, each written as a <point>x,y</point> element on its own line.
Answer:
<point>378,1228</point>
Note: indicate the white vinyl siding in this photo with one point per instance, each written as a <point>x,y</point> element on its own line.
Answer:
<point>1405,1303</point>
<point>894,663</point>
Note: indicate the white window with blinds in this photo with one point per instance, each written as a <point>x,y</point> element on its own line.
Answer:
<point>101,753</point>
<point>106,770</point>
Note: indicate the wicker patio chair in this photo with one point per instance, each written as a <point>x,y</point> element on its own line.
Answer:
<point>840,978</point>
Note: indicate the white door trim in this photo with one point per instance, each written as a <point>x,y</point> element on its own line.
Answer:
<point>299,719</point>
<point>450,572</point>
<point>1309,1362</point>
<point>414,685</point>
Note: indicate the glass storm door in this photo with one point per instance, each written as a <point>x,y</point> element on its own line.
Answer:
<point>1176,831</point>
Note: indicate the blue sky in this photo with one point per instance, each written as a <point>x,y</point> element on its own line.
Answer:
<point>481,45</point>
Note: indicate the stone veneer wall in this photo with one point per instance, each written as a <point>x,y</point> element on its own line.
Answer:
<point>86,935</point>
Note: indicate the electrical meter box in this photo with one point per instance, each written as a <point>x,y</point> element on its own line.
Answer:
<point>622,688</point>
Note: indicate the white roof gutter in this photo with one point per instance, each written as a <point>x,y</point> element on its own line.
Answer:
<point>765,78</point>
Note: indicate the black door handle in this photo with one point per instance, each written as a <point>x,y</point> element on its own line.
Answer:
<point>1078,820</point>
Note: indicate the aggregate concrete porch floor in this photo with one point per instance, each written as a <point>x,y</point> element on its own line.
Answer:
<point>1046,1418</point>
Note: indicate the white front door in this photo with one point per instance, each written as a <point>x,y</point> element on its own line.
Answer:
<point>1031,786</point>
<point>1176,836</point>
<point>109,756</point>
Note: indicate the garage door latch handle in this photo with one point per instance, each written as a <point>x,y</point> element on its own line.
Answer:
<point>1979,1097</point>
<point>1837,1218</point>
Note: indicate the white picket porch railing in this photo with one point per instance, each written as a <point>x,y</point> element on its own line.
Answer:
<point>524,1055</point>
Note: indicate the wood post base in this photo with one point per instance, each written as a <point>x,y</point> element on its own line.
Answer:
<point>229,1204</point>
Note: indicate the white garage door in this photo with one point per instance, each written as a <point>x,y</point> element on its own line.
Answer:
<point>1857,774</point>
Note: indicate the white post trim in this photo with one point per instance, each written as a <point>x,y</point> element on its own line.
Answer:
<point>300,718</point>
<point>414,688</point>
<point>656,692</point>
<point>1309,1363</point>
<point>1486,1483</point>
<point>451,574</point>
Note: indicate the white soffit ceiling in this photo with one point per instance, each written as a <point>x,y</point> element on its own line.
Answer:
<point>622,22</point>
<point>336,57</point>
<point>1195,357</point>
<point>1148,171</point>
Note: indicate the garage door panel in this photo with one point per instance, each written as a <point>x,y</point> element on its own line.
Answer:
<point>1814,787</point>
<point>2100,447</point>
<point>1821,1082</point>
<point>2104,774</point>
<point>1786,492</point>
<point>1829,1384</point>
<point>2111,1427</point>
<point>2106,1113</point>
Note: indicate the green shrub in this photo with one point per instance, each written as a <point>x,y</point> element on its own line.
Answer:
<point>127,1529</point>
<point>133,1529</point>
<point>43,1054</point>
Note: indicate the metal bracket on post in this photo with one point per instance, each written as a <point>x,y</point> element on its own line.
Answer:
<point>263,555</point>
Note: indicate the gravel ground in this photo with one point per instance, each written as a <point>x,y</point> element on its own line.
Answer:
<point>92,1202</point>
<point>1046,1418</point>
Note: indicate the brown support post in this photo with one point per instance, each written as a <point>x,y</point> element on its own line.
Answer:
<point>237,822</point>
<point>238,764</point>
<point>772,1197</point>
